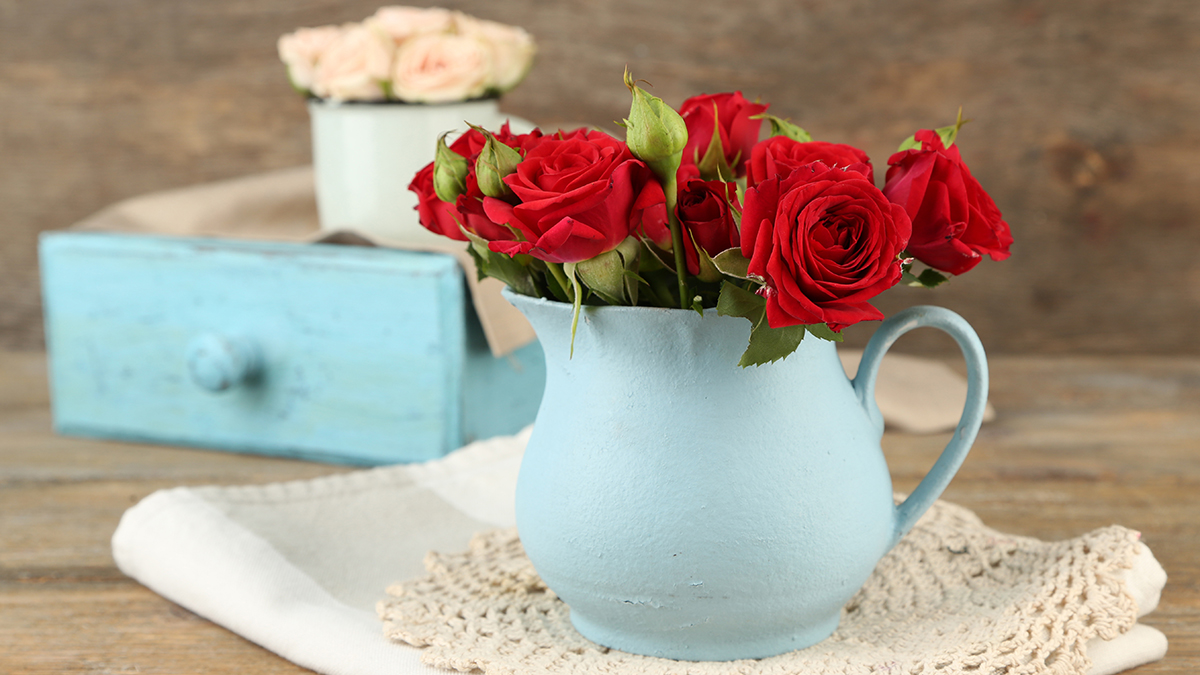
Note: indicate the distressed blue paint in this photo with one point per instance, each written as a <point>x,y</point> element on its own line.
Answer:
<point>688,508</point>
<point>345,354</point>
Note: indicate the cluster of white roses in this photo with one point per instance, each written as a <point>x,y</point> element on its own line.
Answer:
<point>412,54</point>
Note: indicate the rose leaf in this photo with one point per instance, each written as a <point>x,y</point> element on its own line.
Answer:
<point>768,345</point>
<point>822,330</point>
<point>733,263</point>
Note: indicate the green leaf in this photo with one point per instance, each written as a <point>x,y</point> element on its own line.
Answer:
<point>782,127</point>
<point>768,345</point>
<point>605,276</point>
<point>737,301</point>
<point>732,262</point>
<point>822,330</point>
<point>500,265</point>
<point>698,305</point>
<point>928,278</point>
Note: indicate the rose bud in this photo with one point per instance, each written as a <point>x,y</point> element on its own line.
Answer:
<point>496,160</point>
<point>654,132</point>
<point>954,221</point>
<point>726,120</point>
<point>449,172</point>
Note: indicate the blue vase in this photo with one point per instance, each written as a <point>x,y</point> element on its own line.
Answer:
<point>687,508</point>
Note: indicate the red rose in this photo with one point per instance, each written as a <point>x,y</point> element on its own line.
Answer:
<point>954,222</point>
<point>703,210</point>
<point>824,241</point>
<point>580,195</point>
<point>729,115</point>
<point>444,218</point>
<point>779,155</point>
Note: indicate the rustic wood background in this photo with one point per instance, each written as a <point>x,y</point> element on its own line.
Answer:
<point>1086,131</point>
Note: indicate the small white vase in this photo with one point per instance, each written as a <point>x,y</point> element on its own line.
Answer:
<point>366,154</point>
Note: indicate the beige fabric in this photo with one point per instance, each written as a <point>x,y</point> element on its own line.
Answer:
<point>281,206</point>
<point>952,597</point>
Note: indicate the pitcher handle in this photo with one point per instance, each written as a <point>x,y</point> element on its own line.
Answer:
<point>931,487</point>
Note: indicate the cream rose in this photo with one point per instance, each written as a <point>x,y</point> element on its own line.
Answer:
<point>355,66</point>
<point>512,49</point>
<point>441,68</point>
<point>301,51</point>
<point>404,22</point>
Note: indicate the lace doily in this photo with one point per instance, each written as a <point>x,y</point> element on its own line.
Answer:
<point>952,597</point>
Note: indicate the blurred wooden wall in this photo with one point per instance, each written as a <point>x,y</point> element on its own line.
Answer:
<point>1086,131</point>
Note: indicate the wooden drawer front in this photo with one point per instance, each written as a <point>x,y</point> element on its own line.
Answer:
<point>340,353</point>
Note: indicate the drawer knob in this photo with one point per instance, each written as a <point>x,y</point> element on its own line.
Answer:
<point>220,362</point>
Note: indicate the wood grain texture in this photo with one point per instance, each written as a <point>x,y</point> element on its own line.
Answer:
<point>1086,131</point>
<point>1079,443</point>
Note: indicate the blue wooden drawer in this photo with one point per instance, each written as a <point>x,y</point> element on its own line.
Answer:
<point>337,353</point>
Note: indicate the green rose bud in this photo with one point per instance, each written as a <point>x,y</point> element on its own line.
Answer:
<point>654,132</point>
<point>449,172</point>
<point>496,160</point>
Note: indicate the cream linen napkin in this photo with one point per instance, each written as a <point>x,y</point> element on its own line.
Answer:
<point>298,567</point>
<point>281,206</point>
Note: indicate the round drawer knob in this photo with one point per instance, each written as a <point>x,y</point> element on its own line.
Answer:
<point>220,362</point>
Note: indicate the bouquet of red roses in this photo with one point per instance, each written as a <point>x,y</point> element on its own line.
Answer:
<point>693,211</point>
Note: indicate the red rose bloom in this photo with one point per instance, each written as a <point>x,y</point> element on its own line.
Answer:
<point>703,210</point>
<point>444,218</point>
<point>954,222</point>
<point>728,115</point>
<point>779,155</point>
<point>824,241</point>
<point>579,196</point>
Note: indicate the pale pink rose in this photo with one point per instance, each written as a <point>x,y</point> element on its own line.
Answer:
<point>301,51</point>
<point>355,66</point>
<point>512,49</point>
<point>441,68</point>
<point>404,22</point>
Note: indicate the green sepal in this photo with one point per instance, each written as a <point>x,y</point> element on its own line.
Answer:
<point>496,161</point>
<point>577,300</point>
<point>708,272</point>
<point>947,134</point>
<point>782,127</point>
<point>449,172</point>
<point>713,165</point>
<point>823,331</point>
<point>499,265</point>
<point>767,344</point>
<point>731,262</point>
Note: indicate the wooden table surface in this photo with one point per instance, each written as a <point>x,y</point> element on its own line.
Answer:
<point>1079,443</point>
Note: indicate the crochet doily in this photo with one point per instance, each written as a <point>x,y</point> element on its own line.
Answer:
<point>952,597</point>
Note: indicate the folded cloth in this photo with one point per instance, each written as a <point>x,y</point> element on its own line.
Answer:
<point>298,567</point>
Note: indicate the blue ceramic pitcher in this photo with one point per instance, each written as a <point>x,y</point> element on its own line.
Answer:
<point>688,508</point>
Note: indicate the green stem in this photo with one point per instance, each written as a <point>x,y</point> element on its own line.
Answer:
<point>561,278</point>
<point>677,243</point>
